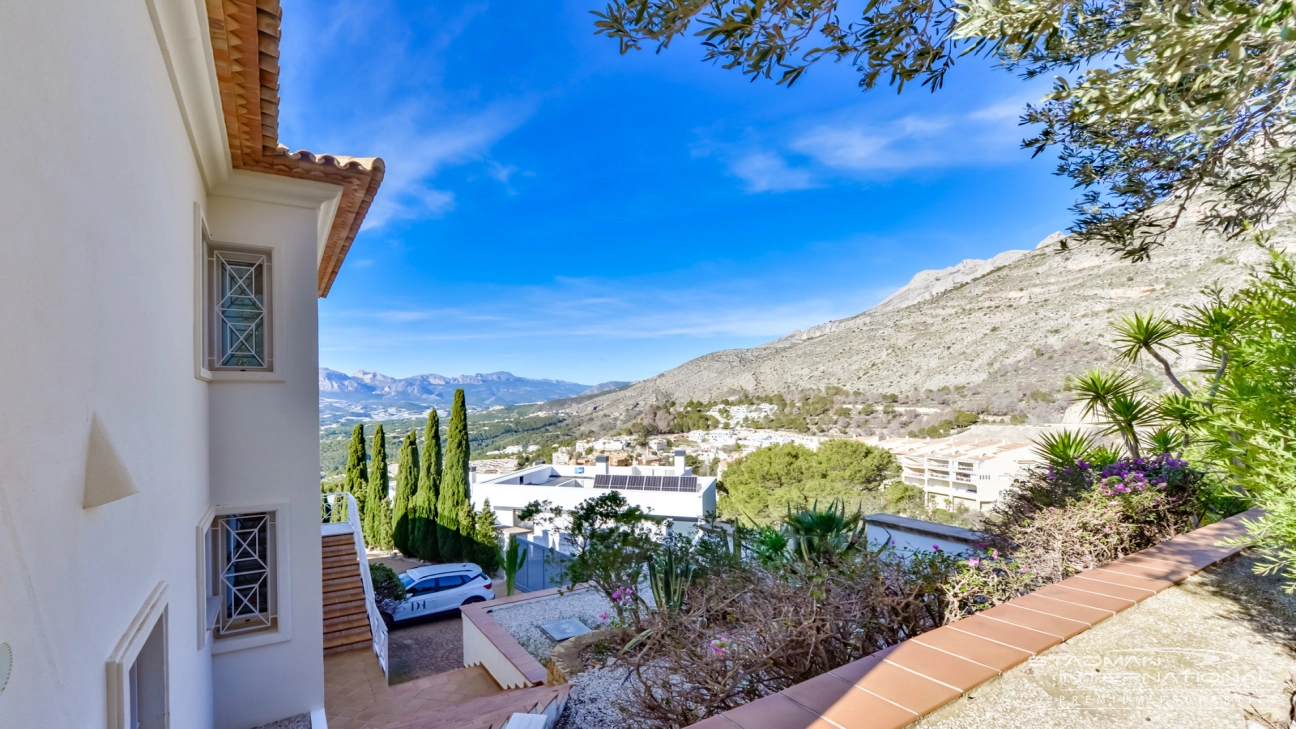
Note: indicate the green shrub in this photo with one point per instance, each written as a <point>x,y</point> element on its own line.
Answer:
<point>387,587</point>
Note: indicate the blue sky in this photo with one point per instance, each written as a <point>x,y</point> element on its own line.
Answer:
<point>557,210</point>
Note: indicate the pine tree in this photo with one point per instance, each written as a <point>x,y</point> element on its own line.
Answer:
<point>376,516</point>
<point>454,504</point>
<point>485,543</point>
<point>407,467</point>
<point>423,530</point>
<point>357,468</point>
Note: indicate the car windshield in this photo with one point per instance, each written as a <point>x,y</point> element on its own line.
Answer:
<point>405,579</point>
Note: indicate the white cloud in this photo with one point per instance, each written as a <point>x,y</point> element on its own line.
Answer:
<point>416,149</point>
<point>769,172</point>
<point>988,135</point>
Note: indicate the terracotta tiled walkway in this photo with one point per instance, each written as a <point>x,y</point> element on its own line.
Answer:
<point>356,694</point>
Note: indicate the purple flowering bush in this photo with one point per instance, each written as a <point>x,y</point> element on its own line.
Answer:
<point>1060,520</point>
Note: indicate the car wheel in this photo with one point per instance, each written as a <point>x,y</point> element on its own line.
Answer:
<point>387,620</point>
<point>473,599</point>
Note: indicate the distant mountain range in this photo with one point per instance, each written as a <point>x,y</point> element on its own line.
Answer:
<point>373,395</point>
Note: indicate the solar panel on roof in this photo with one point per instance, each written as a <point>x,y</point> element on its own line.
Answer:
<point>652,483</point>
<point>618,482</point>
<point>602,481</point>
<point>635,482</point>
<point>670,483</point>
<point>688,483</point>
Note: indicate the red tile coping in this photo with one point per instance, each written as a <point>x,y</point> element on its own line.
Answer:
<point>479,615</point>
<point>896,686</point>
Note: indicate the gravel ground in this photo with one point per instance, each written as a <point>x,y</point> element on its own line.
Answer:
<point>523,620</point>
<point>589,705</point>
<point>301,721</point>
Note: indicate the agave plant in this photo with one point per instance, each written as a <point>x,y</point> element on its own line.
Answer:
<point>815,533</point>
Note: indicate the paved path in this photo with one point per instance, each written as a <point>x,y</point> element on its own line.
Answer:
<point>356,694</point>
<point>425,648</point>
<point>1195,656</point>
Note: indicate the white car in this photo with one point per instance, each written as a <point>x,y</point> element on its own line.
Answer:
<point>440,587</point>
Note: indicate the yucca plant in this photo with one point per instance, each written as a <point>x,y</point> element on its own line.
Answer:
<point>1140,334</point>
<point>1162,441</point>
<point>1116,399</point>
<point>511,561</point>
<point>1065,448</point>
<point>815,533</point>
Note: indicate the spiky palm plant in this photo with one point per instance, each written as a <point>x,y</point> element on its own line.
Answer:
<point>1117,400</point>
<point>815,533</point>
<point>1140,334</point>
<point>1066,447</point>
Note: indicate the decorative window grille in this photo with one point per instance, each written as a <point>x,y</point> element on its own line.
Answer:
<point>244,571</point>
<point>238,336</point>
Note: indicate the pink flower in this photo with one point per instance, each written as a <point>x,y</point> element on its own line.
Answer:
<point>936,547</point>
<point>994,554</point>
<point>974,562</point>
<point>603,617</point>
<point>720,645</point>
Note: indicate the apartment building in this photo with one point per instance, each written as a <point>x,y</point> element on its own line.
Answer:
<point>959,471</point>
<point>160,537</point>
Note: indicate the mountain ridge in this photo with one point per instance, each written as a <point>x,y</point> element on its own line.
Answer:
<point>366,395</point>
<point>1005,326</point>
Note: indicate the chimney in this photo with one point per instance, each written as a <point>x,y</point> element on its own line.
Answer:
<point>679,462</point>
<point>600,464</point>
<point>472,474</point>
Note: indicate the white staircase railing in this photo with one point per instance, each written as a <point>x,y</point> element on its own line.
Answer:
<point>340,508</point>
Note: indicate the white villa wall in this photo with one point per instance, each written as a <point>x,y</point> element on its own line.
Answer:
<point>98,197</point>
<point>265,449</point>
<point>97,192</point>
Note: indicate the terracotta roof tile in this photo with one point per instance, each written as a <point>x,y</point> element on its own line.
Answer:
<point>245,46</point>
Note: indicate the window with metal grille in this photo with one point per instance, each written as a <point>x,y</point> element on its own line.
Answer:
<point>238,316</point>
<point>243,568</point>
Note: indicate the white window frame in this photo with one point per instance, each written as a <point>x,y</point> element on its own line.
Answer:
<point>125,655</point>
<point>279,580</point>
<point>214,254</point>
<point>208,599</point>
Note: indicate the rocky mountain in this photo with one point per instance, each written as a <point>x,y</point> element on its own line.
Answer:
<point>605,386</point>
<point>372,395</point>
<point>1019,322</point>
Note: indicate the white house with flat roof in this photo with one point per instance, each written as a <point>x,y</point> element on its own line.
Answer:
<point>670,491</point>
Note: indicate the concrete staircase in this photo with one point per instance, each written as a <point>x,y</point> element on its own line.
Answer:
<point>346,622</point>
<point>493,712</point>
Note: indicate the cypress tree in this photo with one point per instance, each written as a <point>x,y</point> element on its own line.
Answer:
<point>485,543</point>
<point>407,475</point>
<point>357,468</point>
<point>377,514</point>
<point>423,531</point>
<point>454,505</point>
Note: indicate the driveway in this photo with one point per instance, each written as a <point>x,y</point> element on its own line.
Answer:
<point>423,646</point>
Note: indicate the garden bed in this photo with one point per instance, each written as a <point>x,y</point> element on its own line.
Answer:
<point>522,620</point>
